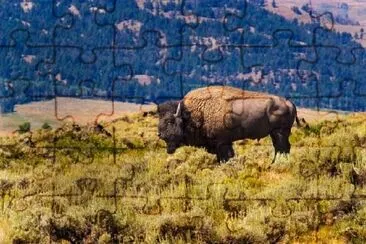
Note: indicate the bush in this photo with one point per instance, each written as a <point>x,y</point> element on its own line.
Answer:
<point>296,10</point>
<point>46,126</point>
<point>24,128</point>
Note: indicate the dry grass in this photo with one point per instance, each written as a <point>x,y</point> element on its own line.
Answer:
<point>162,214</point>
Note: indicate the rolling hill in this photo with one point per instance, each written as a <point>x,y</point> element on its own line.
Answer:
<point>161,53</point>
<point>349,15</point>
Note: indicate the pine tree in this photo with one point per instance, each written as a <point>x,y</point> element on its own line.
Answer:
<point>274,5</point>
<point>361,33</point>
<point>260,3</point>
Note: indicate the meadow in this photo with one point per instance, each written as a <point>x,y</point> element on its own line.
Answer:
<point>115,183</point>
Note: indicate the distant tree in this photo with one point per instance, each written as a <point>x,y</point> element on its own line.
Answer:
<point>296,10</point>
<point>274,5</point>
<point>148,5</point>
<point>306,8</point>
<point>261,3</point>
<point>46,126</point>
<point>170,6</point>
<point>344,6</point>
<point>361,33</point>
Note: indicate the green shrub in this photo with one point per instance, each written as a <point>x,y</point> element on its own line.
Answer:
<point>313,129</point>
<point>46,126</point>
<point>24,128</point>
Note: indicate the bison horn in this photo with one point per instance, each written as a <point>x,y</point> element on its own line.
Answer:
<point>357,171</point>
<point>274,158</point>
<point>179,110</point>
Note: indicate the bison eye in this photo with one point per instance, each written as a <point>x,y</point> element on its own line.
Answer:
<point>170,122</point>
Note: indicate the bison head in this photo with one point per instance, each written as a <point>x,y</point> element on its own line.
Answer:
<point>170,128</point>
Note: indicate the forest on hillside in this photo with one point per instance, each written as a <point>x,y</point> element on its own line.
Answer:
<point>115,183</point>
<point>129,53</point>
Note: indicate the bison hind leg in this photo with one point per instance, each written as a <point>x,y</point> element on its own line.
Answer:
<point>280,140</point>
<point>224,152</point>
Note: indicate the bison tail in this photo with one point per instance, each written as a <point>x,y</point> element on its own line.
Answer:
<point>301,122</point>
<point>298,121</point>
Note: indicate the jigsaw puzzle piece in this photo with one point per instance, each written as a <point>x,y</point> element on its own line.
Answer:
<point>219,23</point>
<point>358,75</point>
<point>357,170</point>
<point>305,217</point>
<point>7,195</point>
<point>324,35</point>
<point>20,59</point>
<point>83,25</point>
<point>146,63</point>
<point>77,79</point>
<point>21,81</point>
<point>25,15</point>
<point>258,73</point>
<point>19,74</point>
<point>220,30</point>
<point>13,88</point>
<point>223,69</point>
<point>336,83</point>
<point>13,92</point>
<point>153,16</point>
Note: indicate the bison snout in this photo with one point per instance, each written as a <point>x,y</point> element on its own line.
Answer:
<point>170,151</point>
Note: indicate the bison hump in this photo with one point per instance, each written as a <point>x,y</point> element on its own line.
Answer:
<point>226,93</point>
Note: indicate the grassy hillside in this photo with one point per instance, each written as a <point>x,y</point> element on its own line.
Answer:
<point>81,184</point>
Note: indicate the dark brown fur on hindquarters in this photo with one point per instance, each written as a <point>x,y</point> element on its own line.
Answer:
<point>214,117</point>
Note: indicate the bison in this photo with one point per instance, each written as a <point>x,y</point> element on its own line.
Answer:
<point>214,117</point>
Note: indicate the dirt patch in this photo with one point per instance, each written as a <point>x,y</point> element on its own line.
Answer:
<point>81,111</point>
<point>315,116</point>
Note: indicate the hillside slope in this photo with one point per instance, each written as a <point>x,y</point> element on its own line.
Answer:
<point>349,15</point>
<point>162,53</point>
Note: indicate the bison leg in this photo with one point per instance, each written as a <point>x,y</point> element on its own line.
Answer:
<point>224,152</point>
<point>280,140</point>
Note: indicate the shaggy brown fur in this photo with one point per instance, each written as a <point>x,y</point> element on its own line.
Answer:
<point>211,104</point>
<point>214,117</point>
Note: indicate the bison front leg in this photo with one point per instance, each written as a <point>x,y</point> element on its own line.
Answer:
<point>224,152</point>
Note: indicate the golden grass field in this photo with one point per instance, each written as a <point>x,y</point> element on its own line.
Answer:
<point>78,185</point>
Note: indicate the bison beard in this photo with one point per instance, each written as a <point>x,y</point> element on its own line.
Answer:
<point>214,117</point>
